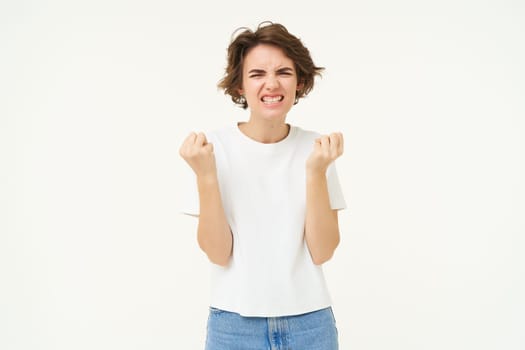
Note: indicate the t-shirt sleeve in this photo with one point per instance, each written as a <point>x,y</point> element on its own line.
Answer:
<point>335,192</point>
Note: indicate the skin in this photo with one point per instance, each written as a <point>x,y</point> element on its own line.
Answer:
<point>213,231</point>
<point>267,74</point>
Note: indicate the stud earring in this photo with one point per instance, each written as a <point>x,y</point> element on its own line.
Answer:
<point>242,99</point>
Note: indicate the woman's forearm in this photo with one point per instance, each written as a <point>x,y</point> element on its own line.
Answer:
<point>213,232</point>
<point>321,225</point>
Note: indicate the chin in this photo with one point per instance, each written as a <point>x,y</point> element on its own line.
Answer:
<point>275,112</point>
<point>274,115</point>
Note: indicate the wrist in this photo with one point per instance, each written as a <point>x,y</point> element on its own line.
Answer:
<point>313,174</point>
<point>207,179</point>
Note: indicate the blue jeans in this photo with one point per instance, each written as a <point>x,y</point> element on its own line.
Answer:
<point>311,331</point>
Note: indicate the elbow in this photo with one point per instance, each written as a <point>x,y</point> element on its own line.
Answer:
<point>222,261</point>
<point>321,259</point>
<point>321,256</point>
<point>216,256</point>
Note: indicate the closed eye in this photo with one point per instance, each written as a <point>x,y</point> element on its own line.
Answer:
<point>285,71</point>
<point>256,73</point>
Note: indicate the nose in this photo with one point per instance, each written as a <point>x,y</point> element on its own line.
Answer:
<point>271,82</point>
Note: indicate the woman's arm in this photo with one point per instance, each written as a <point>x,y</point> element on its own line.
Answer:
<point>213,232</point>
<point>321,223</point>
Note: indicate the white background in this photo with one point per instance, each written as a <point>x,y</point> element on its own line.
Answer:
<point>96,97</point>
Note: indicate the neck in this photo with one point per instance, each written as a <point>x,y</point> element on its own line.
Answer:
<point>265,132</point>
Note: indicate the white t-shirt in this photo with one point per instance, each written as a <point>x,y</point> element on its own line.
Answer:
<point>263,190</point>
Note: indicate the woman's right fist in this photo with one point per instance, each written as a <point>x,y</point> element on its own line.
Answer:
<point>198,153</point>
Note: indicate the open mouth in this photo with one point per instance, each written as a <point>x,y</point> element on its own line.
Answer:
<point>272,99</point>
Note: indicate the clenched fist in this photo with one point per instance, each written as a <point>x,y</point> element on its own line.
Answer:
<point>326,149</point>
<point>198,153</point>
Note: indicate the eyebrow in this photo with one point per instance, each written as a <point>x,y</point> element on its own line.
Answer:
<point>285,69</point>
<point>256,71</point>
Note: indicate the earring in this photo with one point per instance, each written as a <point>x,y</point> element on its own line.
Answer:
<point>242,99</point>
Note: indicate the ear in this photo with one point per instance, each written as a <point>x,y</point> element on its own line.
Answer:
<point>300,86</point>
<point>240,91</point>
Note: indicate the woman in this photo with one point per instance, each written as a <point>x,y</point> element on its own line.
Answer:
<point>268,196</point>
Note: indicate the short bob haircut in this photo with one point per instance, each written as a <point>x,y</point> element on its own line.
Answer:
<point>272,34</point>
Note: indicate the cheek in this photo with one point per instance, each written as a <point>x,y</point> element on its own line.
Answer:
<point>252,87</point>
<point>292,84</point>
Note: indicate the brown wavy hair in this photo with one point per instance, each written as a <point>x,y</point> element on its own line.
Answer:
<point>272,34</point>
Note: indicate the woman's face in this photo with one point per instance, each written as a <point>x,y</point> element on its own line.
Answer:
<point>269,82</point>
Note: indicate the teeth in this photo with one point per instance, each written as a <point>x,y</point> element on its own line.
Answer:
<point>274,99</point>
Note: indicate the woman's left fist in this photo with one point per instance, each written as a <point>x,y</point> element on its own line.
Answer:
<point>326,149</point>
